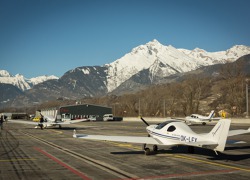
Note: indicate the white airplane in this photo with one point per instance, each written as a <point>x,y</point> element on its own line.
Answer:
<point>196,118</point>
<point>174,132</point>
<point>48,121</point>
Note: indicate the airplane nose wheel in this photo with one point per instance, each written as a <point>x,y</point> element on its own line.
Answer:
<point>146,149</point>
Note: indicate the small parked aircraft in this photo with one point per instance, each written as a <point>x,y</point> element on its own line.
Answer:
<point>175,132</point>
<point>48,121</point>
<point>196,118</point>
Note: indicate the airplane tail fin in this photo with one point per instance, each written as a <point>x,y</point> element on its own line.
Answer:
<point>51,117</point>
<point>55,115</point>
<point>211,115</point>
<point>219,134</point>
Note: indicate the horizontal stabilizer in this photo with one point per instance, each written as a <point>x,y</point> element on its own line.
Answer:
<point>235,142</point>
<point>238,132</point>
<point>70,122</point>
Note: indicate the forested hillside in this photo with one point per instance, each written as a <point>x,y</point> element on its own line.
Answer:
<point>218,87</point>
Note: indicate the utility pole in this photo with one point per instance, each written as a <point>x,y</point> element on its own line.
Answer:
<point>164,108</point>
<point>139,107</point>
<point>247,98</point>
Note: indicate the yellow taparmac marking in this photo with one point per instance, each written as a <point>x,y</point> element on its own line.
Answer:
<point>212,163</point>
<point>13,160</point>
<point>59,132</point>
<point>126,145</point>
<point>184,157</point>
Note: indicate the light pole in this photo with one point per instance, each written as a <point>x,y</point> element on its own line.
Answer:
<point>164,108</point>
<point>139,107</point>
<point>246,98</point>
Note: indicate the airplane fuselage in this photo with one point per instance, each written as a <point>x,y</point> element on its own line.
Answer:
<point>169,134</point>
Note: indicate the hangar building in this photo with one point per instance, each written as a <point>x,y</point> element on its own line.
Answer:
<point>85,111</point>
<point>80,111</point>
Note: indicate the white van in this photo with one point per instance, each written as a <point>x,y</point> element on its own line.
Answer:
<point>108,117</point>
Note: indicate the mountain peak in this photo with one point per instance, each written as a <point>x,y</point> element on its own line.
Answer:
<point>4,73</point>
<point>198,50</point>
<point>240,48</point>
<point>20,81</point>
<point>154,42</point>
<point>19,76</point>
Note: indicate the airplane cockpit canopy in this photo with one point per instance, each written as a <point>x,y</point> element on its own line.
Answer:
<point>161,125</point>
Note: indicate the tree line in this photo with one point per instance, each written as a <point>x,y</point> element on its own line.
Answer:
<point>194,94</point>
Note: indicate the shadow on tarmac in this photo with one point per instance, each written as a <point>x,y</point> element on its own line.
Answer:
<point>210,154</point>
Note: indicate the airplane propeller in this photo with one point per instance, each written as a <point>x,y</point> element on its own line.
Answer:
<point>145,122</point>
<point>144,146</point>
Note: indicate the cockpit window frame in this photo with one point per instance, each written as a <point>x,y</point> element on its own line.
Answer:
<point>171,128</point>
<point>163,124</point>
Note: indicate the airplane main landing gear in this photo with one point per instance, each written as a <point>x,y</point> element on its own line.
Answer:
<point>148,151</point>
<point>41,126</point>
<point>155,148</point>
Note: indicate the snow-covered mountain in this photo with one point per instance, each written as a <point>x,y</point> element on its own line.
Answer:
<point>229,55</point>
<point>20,81</point>
<point>166,60</point>
<point>144,65</point>
<point>40,79</point>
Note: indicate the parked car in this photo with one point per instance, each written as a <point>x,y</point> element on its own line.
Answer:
<point>108,117</point>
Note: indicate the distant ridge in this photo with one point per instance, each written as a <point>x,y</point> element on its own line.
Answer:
<point>21,82</point>
<point>146,64</point>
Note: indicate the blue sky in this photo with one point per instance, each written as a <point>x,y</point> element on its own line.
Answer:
<point>50,37</point>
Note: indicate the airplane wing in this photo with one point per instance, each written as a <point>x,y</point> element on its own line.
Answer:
<point>125,139</point>
<point>216,119</point>
<point>179,119</point>
<point>30,122</point>
<point>69,122</point>
<point>141,140</point>
<point>23,122</point>
<point>238,132</point>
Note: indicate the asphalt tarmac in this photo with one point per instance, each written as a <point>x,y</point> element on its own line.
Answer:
<point>52,153</point>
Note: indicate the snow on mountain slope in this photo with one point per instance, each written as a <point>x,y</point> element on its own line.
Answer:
<point>143,57</point>
<point>17,80</point>
<point>4,73</point>
<point>229,55</point>
<point>166,60</point>
<point>41,79</point>
<point>20,81</point>
<point>159,60</point>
